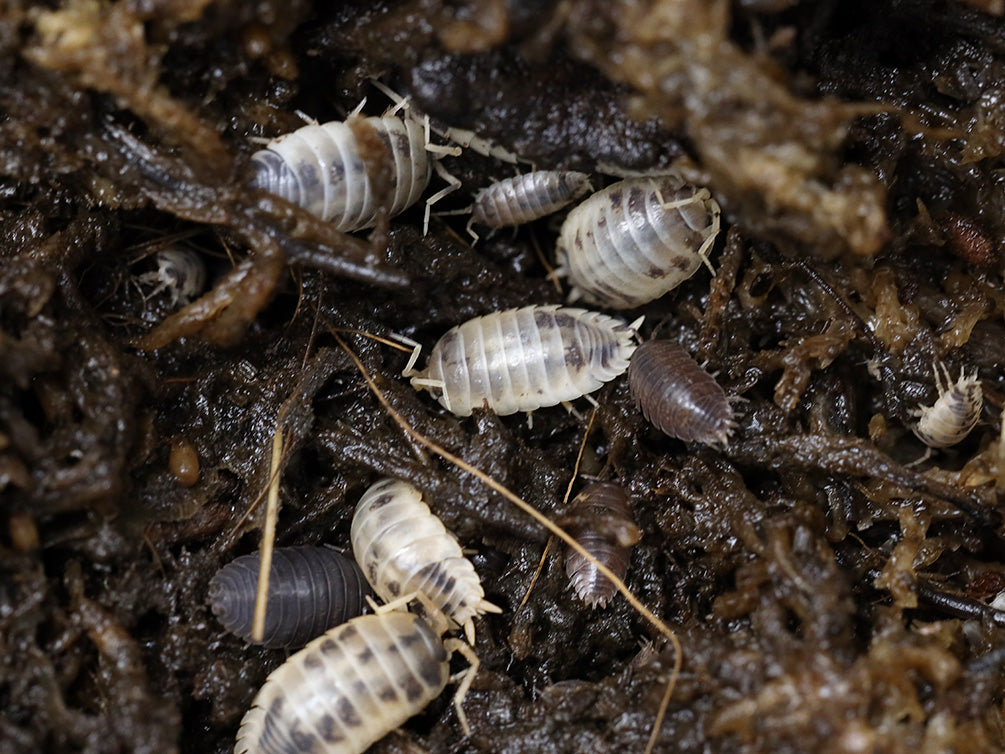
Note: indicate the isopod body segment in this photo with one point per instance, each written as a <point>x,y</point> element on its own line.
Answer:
<point>954,414</point>
<point>321,168</point>
<point>525,359</point>
<point>311,589</point>
<point>347,688</point>
<point>403,549</point>
<point>605,527</point>
<point>637,239</point>
<point>527,197</point>
<point>677,396</point>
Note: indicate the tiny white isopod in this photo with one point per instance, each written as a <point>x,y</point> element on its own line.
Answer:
<point>524,359</point>
<point>403,548</point>
<point>954,414</point>
<point>351,686</point>
<point>180,273</point>
<point>636,240</point>
<point>527,197</point>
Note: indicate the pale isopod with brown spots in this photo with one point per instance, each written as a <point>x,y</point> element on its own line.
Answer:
<point>403,549</point>
<point>954,414</point>
<point>351,686</point>
<point>636,240</point>
<point>603,524</point>
<point>527,197</point>
<point>321,168</point>
<point>678,396</point>
<point>311,589</point>
<point>524,359</point>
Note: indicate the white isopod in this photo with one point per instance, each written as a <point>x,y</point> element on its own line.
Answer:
<point>524,359</point>
<point>351,686</point>
<point>321,168</point>
<point>180,273</point>
<point>955,412</point>
<point>637,239</point>
<point>527,197</point>
<point>403,549</point>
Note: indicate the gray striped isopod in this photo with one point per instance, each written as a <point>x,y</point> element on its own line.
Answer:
<point>955,412</point>
<point>527,197</point>
<point>351,686</point>
<point>403,549</point>
<point>605,527</point>
<point>637,239</point>
<point>321,168</point>
<point>524,359</point>
<point>678,396</point>
<point>311,589</point>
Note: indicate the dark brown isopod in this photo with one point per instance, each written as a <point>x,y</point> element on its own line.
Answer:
<point>602,523</point>
<point>311,589</point>
<point>678,396</point>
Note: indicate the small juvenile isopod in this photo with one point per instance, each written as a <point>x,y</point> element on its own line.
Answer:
<point>678,396</point>
<point>527,197</point>
<point>403,549</point>
<point>637,239</point>
<point>180,273</point>
<point>524,359</point>
<point>311,589</point>
<point>352,686</point>
<point>604,526</point>
<point>321,168</point>
<point>955,412</point>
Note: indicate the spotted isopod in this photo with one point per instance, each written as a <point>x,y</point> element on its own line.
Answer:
<point>311,589</point>
<point>321,168</point>
<point>527,197</point>
<point>605,527</point>
<point>678,396</point>
<point>403,549</point>
<point>954,414</point>
<point>637,239</point>
<point>351,686</point>
<point>524,359</point>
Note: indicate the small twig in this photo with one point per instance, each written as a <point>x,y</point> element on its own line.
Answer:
<point>268,538</point>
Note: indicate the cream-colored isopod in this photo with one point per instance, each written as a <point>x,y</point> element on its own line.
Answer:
<point>350,687</point>
<point>403,549</point>
<point>524,359</point>
<point>954,414</point>
<point>636,240</point>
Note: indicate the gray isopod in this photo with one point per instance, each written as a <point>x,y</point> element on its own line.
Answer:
<point>605,527</point>
<point>954,414</point>
<point>524,359</point>
<point>351,686</point>
<point>403,549</point>
<point>311,589</point>
<point>637,239</point>
<point>527,197</point>
<point>322,168</point>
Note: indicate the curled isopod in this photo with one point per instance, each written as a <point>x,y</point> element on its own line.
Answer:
<point>954,414</point>
<point>605,527</point>
<point>311,589</point>
<point>322,168</point>
<point>678,396</point>
<point>524,359</point>
<point>527,197</point>
<point>404,549</point>
<point>180,274</point>
<point>637,239</point>
<point>351,686</point>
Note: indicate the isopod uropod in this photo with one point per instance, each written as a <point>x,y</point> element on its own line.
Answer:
<point>605,527</point>
<point>351,686</point>
<point>321,168</point>
<point>311,589</point>
<point>637,239</point>
<point>678,396</point>
<point>955,412</point>
<point>524,359</point>
<point>527,197</point>
<point>403,549</point>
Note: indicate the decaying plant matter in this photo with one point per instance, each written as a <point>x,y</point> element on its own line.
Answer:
<point>827,595</point>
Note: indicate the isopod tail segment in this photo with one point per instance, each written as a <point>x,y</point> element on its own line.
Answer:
<point>441,624</point>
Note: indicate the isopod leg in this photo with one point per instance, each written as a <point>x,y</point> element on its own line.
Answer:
<point>454,184</point>
<point>466,678</point>
<point>409,370</point>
